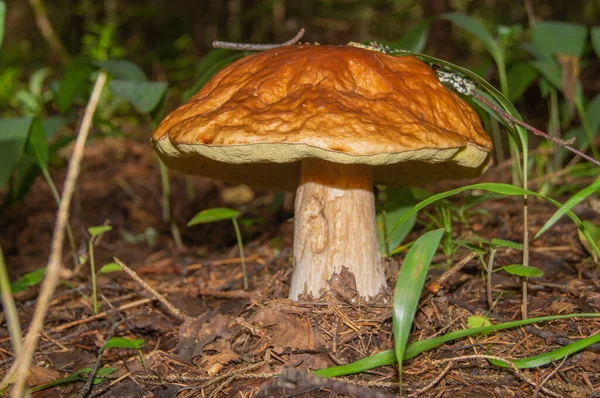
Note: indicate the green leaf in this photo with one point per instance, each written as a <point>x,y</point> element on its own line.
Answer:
<point>123,69</point>
<point>595,33</point>
<point>594,236</point>
<point>550,69</point>
<point>28,280</point>
<point>398,201</point>
<point>413,349</point>
<point>110,267</point>
<point>76,376</point>
<point>144,96</point>
<point>95,231</point>
<point>72,84</point>
<point>2,18</point>
<point>549,357</point>
<point>507,244</point>
<point>552,37</point>
<point>569,204</point>
<point>122,342</point>
<point>37,147</point>
<point>210,66</point>
<point>477,321</point>
<point>29,102</point>
<point>520,76</point>
<point>523,270</point>
<point>212,215</point>
<point>13,137</point>
<point>409,286</point>
<point>416,38</point>
<point>475,28</point>
<point>37,81</point>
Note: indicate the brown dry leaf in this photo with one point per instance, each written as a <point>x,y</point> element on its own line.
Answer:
<point>343,284</point>
<point>589,361</point>
<point>224,354</point>
<point>39,375</point>
<point>569,66</point>
<point>195,334</point>
<point>287,326</point>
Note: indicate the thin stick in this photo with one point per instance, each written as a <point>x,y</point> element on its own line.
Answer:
<point>55,266</point>
<point>10,309</point>
<point>513,120</point>
<point>170,307</point>
<point>257,47</point>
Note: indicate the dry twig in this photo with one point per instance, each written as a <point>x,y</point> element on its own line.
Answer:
<point>257,47</point>
<point>21,366</point>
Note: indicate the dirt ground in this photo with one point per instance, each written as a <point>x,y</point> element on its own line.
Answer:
<point>234,342</point>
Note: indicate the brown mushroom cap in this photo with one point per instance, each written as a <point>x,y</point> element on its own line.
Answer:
<point>260,116</point>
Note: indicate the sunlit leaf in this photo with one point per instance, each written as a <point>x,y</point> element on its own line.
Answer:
<point>95,231</point>
<point>524,271</point>
<point>212,215</point>
<point>122,342</point>
<point>28,280</point>
<point>478,321</point>
<point>36,81</point>
<point>76,376</point>
<point>507,244</point>
<point>110,267</point>
<point>409,286</point>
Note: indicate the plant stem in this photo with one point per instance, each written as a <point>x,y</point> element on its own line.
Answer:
<point>490,268</point>
<point>166,191</point>
<point>93,270</point>
<point>21,365</point>
<point>241,246</point>
<point>47,31</point>
<point>10,309</point>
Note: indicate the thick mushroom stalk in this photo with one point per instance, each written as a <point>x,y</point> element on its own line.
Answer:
<point>335,226</point>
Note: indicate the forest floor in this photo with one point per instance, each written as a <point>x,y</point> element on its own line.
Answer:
<point>235,342</point>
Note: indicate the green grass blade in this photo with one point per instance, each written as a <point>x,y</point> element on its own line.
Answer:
<point>548,357</point>
<point>408,289</point>
<point>569,204</point>
<point>413,349</point>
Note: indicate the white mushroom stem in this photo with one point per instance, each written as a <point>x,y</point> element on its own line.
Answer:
<point>335,226</point>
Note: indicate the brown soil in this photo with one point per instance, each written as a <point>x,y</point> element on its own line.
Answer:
<point>236,342</point>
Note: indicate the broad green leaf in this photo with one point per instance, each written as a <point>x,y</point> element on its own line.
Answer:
<point>28,280</point>
<point>72,84</point>
<point>416,38</point>
<point>569,204</point>
<point>507,244</point>
<point>2,18</point>
<point>524,271</point>
<point>212,215</point>
<point>520,76</point>
<point>28,102</point>
<point>13,137</point>
<point>409,286</point>
<point>475,28</point>
<point>478,321</point>
<point>552,37</point>
<point>413,349</point>
<point>37,147</point>
<point>550,69</point>
<point>144,96</point>
<point>549,357</point>
<point>95,231</point>
<point>592,111</point>
<point>122,342</point>
<point>211,70</point>
<point>52,125</point>
<point>594,236</point>
<point>110,267</point>
<point>123,69</point>
<point>595,33</point>
<point>399,200</point>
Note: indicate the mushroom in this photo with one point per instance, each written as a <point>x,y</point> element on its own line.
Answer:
<point>328,121</point>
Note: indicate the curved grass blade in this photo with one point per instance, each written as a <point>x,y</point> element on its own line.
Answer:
<point>212,215</point>
<point>569,204</point>
<point>504,189</point>
<point>408,289</point>
<point>413,349</point>
<point>548,357</point>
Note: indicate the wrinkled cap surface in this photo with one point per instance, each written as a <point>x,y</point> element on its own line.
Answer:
<point>259,117</point>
